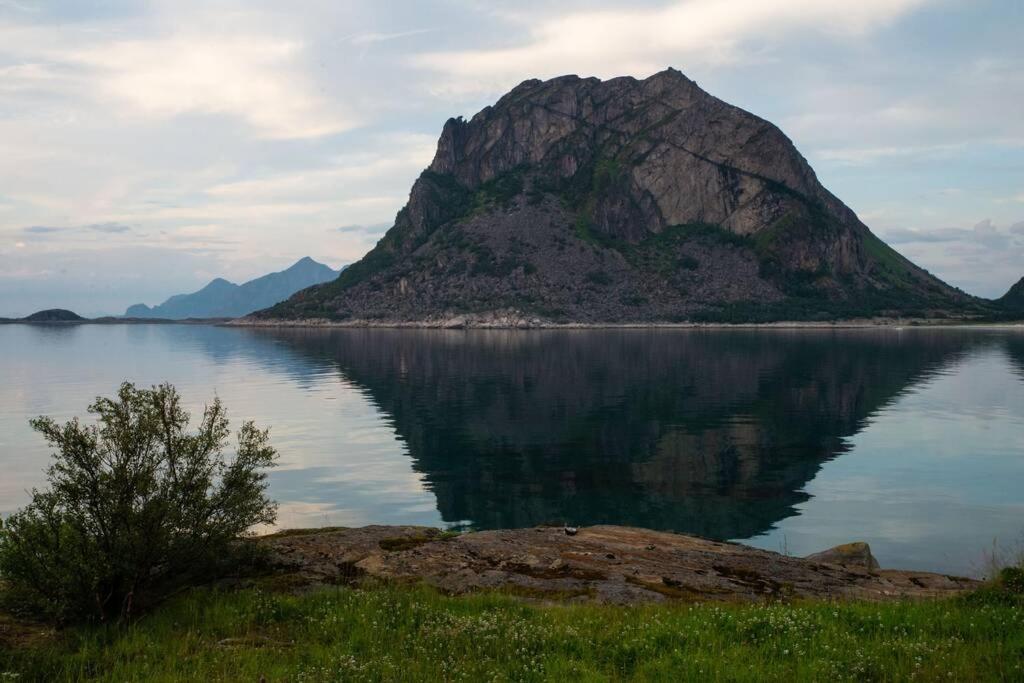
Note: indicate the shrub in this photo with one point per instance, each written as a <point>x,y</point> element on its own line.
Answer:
<point>1012,579</point>
<point>688,262</point>
<point>135,505</point>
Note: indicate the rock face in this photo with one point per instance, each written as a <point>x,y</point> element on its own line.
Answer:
<point>601,563</point>
<point>580,200</point>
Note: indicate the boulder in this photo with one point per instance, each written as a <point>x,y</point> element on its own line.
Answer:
<point>849,555</point>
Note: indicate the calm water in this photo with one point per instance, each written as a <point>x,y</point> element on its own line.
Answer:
<point>912,440</point>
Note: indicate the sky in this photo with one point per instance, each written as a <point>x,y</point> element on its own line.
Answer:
<point>149,146</point>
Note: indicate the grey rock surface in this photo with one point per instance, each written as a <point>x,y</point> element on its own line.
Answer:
<point>600,563</point>
<point>856,554</point>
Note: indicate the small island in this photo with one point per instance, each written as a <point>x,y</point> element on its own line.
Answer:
<point>53,315</point>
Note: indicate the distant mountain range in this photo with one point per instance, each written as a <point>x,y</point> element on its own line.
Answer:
<point>223,299</point>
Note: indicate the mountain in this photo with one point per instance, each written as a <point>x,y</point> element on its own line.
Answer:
<point>223,299</point>
<point>1013,300</point>
<point>581,200</point>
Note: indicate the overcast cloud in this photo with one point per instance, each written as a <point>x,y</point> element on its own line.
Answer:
<point>151,146</point>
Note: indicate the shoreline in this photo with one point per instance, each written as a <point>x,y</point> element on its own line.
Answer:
<point>514,323</point>
<point>535,324</point>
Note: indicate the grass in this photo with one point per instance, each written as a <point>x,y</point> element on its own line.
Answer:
<point>414,633</point>
<point>399,543</point>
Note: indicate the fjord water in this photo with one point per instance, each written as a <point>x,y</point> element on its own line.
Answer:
<point>911,439</point>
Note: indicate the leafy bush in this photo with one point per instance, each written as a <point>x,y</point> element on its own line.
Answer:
<point>135,505</point>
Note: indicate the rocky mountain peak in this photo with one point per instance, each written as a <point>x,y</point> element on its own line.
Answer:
<point>666,152</point>
<point>583,200</point>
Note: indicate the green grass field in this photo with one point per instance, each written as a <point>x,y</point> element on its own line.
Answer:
<point>415,634</point>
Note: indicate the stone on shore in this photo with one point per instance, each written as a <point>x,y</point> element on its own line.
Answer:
<point>608,564</point>
<point>849,555</point>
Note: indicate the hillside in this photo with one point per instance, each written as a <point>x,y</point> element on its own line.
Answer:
<point>223,299</point>
<point>580,200</point>
<point>1013,300</point>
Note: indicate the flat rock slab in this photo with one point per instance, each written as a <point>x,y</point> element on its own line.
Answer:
<point>609,564</point>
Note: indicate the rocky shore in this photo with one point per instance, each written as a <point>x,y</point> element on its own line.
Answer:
<point>606,564</point>
<point>513,321</point>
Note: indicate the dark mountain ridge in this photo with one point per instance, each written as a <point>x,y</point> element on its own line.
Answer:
<point>619,201</point>
<point>1013,300</point>
<point>223,299</point>
<point>53,315</point>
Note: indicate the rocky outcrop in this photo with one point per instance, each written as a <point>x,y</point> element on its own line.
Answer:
<point>581,200</point>
<point>684,157</point>
<point>602,563</point>
<point>857,554</point>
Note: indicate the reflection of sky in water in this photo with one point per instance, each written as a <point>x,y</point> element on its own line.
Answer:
<point>341,463</point>
<point>933,477</point>
<point>932,481</point>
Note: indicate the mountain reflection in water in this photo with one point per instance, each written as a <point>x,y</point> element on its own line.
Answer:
<point>709,433</point>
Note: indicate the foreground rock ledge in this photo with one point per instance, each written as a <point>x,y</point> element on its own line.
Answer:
<point>608,564</point>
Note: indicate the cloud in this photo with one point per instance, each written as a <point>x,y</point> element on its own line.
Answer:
<point>610,42</point>
<point>981,259</point>
<point>904,114</point>
<point>984,232</point>
<point>115,228</point>
<point>20,6</point>
<point>251,77</point>
<point>370,38</point>
<point>108,228</point>
<point>250,72</point>
<point>985,227</point>
<point>376,228</point>
<point>395,155</point>
<point>862,156</point>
